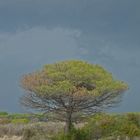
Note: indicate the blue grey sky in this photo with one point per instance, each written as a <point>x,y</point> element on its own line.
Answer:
<point>36,32</point>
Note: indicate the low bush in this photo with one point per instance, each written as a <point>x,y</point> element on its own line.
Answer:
<point>75,134</point>
<point>105,125</point>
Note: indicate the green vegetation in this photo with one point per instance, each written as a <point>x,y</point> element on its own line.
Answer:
<point>75,134</point>
<point>100,126</point>
<point>106,127</point>
<point>20,121</point>
<point>6,118</point>
<point>3,113</point>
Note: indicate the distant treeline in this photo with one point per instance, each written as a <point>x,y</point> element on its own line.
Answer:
<point>6,118</point>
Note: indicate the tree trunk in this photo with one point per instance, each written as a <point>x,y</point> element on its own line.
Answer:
<point>68,126</point>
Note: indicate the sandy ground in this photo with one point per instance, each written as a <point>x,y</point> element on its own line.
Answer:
<point>10,138</point>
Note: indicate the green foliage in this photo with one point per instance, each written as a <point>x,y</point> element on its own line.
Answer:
<point>75,134</point>
<point>133,118</point>
<point>105,125</point>
<point>129,129</point>
<point>3,114</point>
<point>6,118</point>
<point>20,121</point>
<point>63,77</point>
<point>18,116</point>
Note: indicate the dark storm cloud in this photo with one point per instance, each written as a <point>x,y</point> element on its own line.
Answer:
<point>108,16</point>
<point>117,20</point>
<point>35,32</point>
<point>29,50</point>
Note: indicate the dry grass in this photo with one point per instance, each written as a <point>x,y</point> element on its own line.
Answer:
<point>31,131</point>
<point>11,138</point>
<point>17,131</point>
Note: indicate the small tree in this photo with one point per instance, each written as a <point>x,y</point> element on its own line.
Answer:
<point>70,89</point>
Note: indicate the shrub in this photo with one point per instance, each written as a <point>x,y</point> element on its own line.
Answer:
<point>104,125</point>
<point>101,125</point>
<point>75,134</point>
<point>28,133</point>
<point>129,129</point>
<point>134,118</point>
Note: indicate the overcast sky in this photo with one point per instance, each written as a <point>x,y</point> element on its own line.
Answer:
<point>36,32</point>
